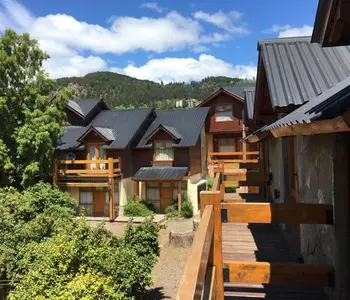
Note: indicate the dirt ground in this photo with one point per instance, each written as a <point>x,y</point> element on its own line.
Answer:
<point>170,266</point>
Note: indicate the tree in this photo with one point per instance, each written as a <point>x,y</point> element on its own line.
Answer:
<point>31,112</point>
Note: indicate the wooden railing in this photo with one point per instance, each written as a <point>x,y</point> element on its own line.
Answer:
<point>233,157</point>
<point>102,167</point>
<point>204,272</point>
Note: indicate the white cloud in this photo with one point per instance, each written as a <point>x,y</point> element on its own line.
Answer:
<point>200,49</point>
<point>289,31</point>
<point>223,20</point>
<point>152,5</point>
<point>186,69</point>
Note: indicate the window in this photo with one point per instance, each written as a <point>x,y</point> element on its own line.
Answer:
<point>226,145</point>
<point>223,113</point>
<point>97,152</point>
<point>163,150</point>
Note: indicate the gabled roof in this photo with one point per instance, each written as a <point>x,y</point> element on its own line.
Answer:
<point>105,133</point>
<point>160,173</point>
<point>85,106</point>
<point>123,123</point>
<point>187,123</point>
<point>70,136</point>
<point>236,92</point>
<point>249,97</point>
<point>168,129</point>
<point>330,104</point>
<point>298,71</point>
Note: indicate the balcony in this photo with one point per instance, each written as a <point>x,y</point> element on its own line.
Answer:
<point>86,173</point>
<point>233,157</point>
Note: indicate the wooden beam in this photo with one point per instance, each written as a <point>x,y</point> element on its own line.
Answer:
<point>258,137</point>
<point>192,284</point>
<point>179,195</point>
<point>81,162</point>
<point>83,171</point>
<point>291,213</point>
<point>280,274</point>
<point>83,184</point>
<point>316,127</point>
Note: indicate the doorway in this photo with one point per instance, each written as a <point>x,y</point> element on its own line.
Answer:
<point>99,198</point>
<point>166,195</point>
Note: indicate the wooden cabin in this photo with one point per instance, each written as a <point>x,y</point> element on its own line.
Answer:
<point>225,127</point>
<point>108,156</point>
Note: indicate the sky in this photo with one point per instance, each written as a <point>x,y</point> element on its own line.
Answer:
<point>169,41</point>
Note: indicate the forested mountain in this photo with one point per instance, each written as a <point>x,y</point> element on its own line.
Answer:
<point>123,91</point>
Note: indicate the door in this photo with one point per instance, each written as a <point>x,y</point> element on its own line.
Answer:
<point>99,203</point>
<point>166,195</point>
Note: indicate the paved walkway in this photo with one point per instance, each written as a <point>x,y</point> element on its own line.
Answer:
<point>261,242</point>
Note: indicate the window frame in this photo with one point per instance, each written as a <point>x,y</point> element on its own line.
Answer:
<point>225,110</point>
<point>155,148</point>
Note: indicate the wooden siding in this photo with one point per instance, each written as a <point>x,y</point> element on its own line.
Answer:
<point>226,126</point>
<point>195,158</point>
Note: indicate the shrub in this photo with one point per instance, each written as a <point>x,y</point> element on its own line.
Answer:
<point>230,189</point>
<point>150,206</point>
<point>134,209</point>
<point>210,182</point>
<point>187,209</point>
<point>172,211</point>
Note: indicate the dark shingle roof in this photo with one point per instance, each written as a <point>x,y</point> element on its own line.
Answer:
<point>170,130</point>
<point>69,139</point>
<point>249,97</point>
<point>123,123</point>
<point>84,107</point>
<point>161,172</point>
<point>188,124</point>
<point>238,89</point>
<point>298,71</point>
<point>330,104</point>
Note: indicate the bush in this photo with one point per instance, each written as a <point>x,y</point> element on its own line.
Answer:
<point>172,211</point>
<point>230,189</point>
<point>134,209</point>
<point>150,206</point>
<point>187,209</point>
<point>210,182</point>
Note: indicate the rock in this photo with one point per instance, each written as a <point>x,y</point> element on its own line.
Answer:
<point>182,239</point>
<point>196,224</point>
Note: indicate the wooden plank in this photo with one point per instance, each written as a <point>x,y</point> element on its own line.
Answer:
<point>316,127</point>
<point>232,161</point>
<point>84,184</point>
<point>256,177</point>
<point>209,292</point>
<point>233,153</point>
<point>276,273</point>
<point>290,213</point>
<point>193,281</point>
<point>216,184</point>
<point>83,171</point>
<point>82,162</point>
<point>214,198</point>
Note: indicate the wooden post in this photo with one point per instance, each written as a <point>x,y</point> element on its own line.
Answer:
<point>120,164</point>
<point>214,198</point>
<point>137,191</point>
<point>55,173</point>
<point>244,144</point>
<point>222,191</point>
<point>111,188</point>
<point>179,196</point>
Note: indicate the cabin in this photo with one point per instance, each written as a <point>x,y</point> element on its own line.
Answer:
<point>107,156</point>
<point>300,117</point>
<point>225,127</point>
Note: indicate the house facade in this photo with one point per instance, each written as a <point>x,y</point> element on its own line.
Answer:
<point>107,156</point>
<point>301,105</point>
<point>225,127</point>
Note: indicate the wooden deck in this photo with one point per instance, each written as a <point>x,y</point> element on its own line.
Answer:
<point>261,242</point>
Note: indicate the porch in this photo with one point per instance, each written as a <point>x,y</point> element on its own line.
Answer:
<point>93,183</point>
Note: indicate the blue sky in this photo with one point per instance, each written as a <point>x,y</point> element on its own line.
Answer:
<point>164,40</point>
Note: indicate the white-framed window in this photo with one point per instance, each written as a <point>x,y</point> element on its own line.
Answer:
<point>163,150</point>
<point>223,112</point>
<point>226,145</point>
<point>93,156</point>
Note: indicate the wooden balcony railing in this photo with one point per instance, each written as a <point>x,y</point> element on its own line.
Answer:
<point>233,157</point>
<point>71,168</point>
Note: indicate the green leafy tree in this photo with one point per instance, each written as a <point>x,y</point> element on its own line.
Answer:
<point>31,112</point>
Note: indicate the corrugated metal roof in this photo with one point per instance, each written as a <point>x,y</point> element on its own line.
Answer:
<point>330,104</point>
<point>83,106</point>
<point>238,89</point>
<point>173,131</point>
<point>187,122</point>
<point>298,71</point>
<point>70,135</point>
<point>249,97</point>
<point>123,123</point>
<point>161,172</point>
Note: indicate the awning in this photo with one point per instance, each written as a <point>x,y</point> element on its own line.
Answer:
<point>160,173</point>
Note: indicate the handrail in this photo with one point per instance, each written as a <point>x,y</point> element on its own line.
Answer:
<point>217,181</point>
<point>193,281</point>
<point>234,153</point>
